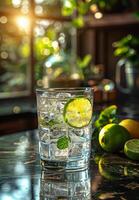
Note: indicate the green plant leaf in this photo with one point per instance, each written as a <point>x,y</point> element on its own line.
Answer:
<point>83,63</point>
<point>108,115</point>
<point>51,33</point>
<point>124,41</point>
<point>78,21</point>
<point>63,142</point>
<point>127,47</point>
<point>121,51</point>
<point>49,123</point>
<point>25,50</point>
<point>68,8</point>
<point>83,7</point>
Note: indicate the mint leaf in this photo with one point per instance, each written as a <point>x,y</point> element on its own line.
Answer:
<point>108,115</point>
<point>63,142</point>
<point>49,123</point>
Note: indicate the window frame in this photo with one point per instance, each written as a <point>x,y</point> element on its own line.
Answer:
<point>30,92</point>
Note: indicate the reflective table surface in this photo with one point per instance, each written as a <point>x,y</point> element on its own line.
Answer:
<point>22,177</point>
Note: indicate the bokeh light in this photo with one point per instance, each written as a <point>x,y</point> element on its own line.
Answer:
<point>98,15</point>
<point>3,19</point>
<point>23,23</point>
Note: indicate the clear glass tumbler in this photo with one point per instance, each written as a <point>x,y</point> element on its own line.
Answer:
<point>65,127</point>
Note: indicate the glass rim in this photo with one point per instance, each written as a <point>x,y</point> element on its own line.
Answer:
<point>70,89</point>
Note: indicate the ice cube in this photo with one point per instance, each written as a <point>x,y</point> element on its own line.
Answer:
<point>59,154</point>
<point>57,131</point>
<point>43,104</point>
<point>79,149</point>
<point>44,119</point>
<point>44,134</point>
<point>75,138</point>
<point>78,145</point>
<point>76,132</point>
<point>63,95</point>
<point>84,132</point>
<point>75,151</point>
<point>51,116</point>
<point>60,106</point>
<point>44,149</point>
<point>44,116</point>
<point>46,102</point>
<point>48,94</point>
<point>45,94</point>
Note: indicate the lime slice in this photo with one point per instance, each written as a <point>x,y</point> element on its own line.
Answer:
<point>131,149</point>
<point>78,112</point>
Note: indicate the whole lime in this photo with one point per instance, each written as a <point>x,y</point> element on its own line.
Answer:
<point>112,137</point>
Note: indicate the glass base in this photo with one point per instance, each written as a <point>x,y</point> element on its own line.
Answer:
<point>74,165</point>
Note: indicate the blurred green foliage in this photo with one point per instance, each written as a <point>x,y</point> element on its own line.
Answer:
<point>78,9</point>
<point>84,62</point>
<point>13,67</point>
<point>49,44</point>
<point>127,47</point>
<point>111,5</point>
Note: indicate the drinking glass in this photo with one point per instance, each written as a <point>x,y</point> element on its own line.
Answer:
<point>65,127</point>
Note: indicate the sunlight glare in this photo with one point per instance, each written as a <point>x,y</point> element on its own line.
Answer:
<point>16,3</point>
<point>23,22</point>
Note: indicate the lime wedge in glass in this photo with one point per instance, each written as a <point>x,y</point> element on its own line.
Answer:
<point>78,112</point>
<point>131,149</point>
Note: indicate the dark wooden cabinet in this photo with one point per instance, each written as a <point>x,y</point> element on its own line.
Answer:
<point>17,115</point>
<point>17,123</point>
<point>97,36</point>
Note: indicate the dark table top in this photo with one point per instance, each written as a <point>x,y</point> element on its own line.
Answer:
<point>22,178</point>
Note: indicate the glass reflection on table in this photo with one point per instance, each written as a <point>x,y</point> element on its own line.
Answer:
<point>65,185</point>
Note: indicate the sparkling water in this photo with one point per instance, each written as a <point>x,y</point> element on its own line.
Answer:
<point>52,127</point>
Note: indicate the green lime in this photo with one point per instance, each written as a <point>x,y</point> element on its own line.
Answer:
<point>78,112</point>
<point>112,137</point>
<point>131,149</point>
